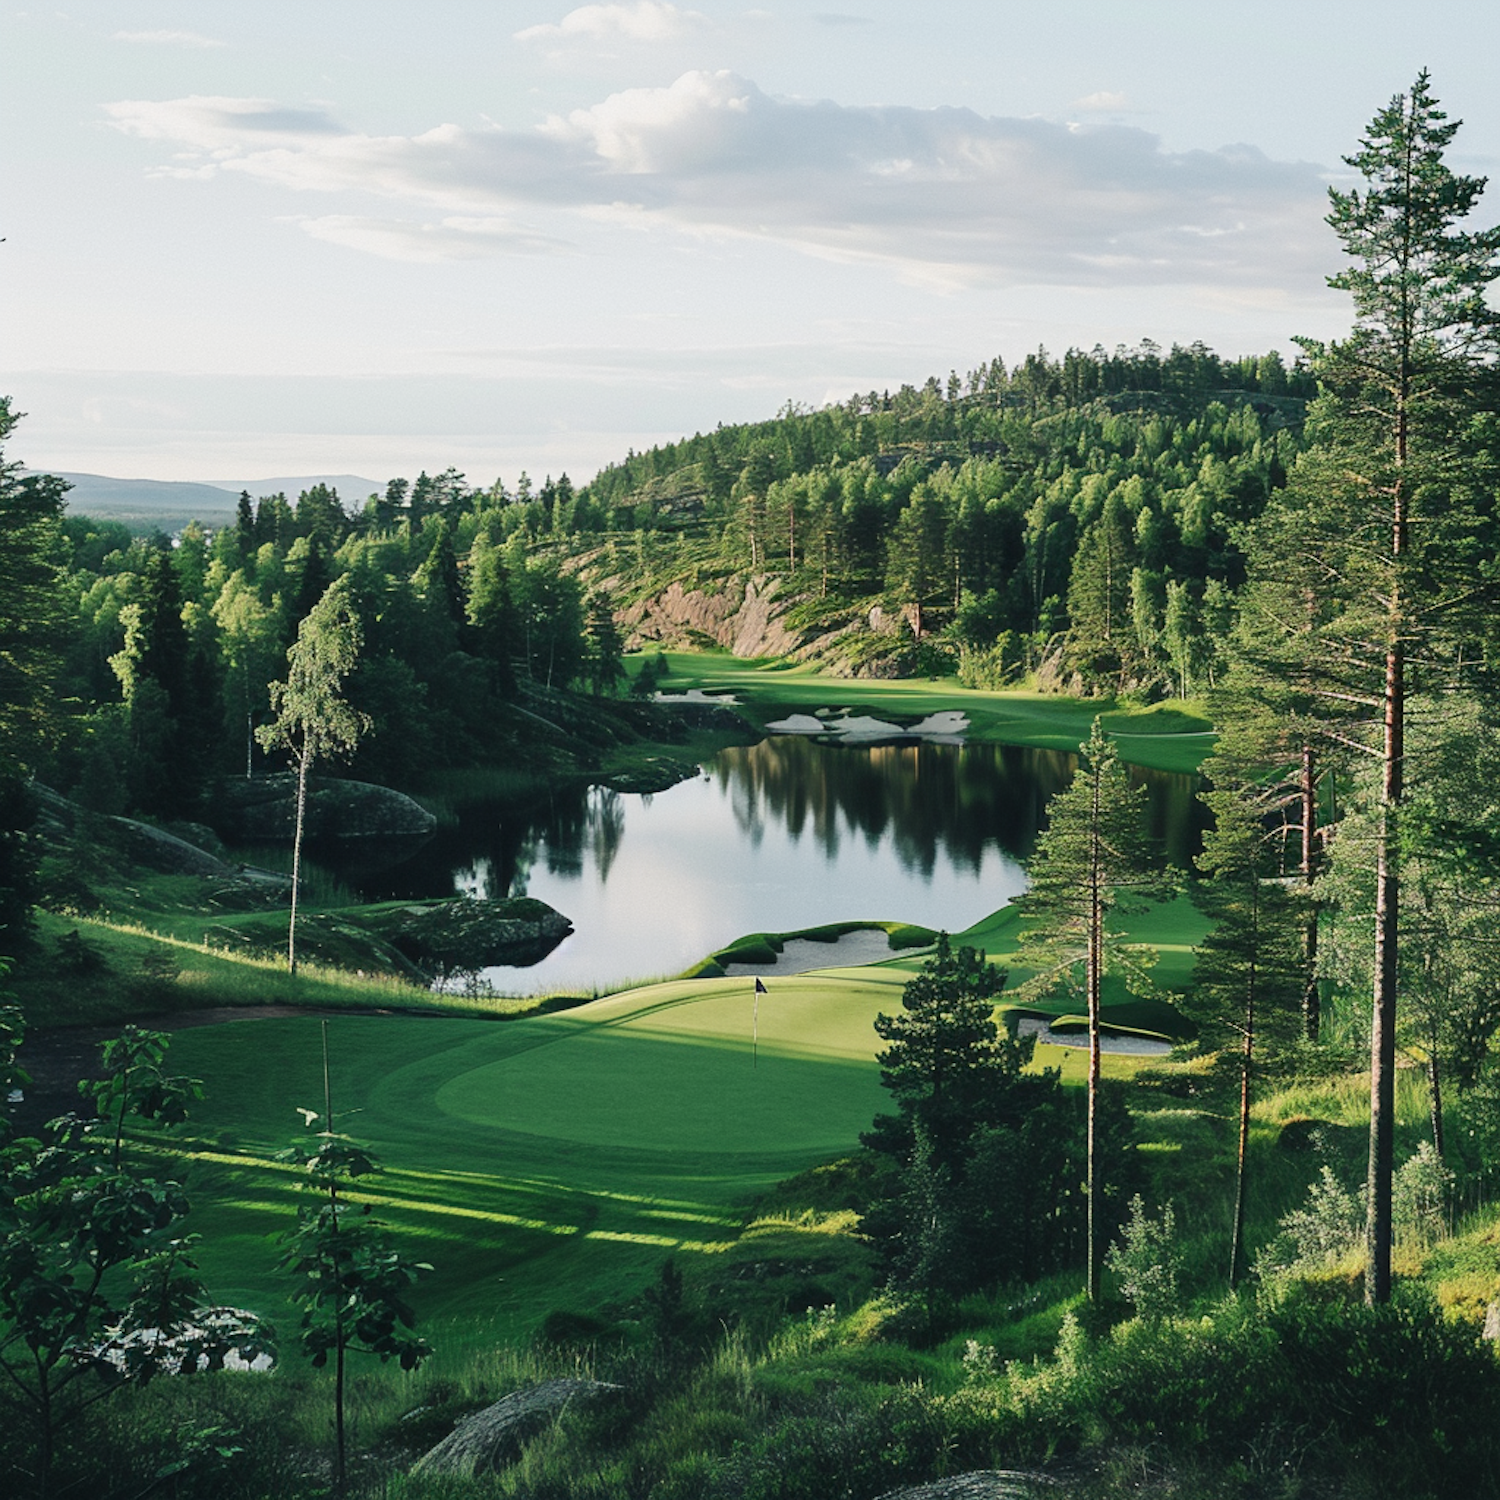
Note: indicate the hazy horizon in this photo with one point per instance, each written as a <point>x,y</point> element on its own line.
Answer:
<point>375,240</point>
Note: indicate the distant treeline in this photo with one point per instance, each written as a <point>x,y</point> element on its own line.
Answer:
<point>1075,517</point>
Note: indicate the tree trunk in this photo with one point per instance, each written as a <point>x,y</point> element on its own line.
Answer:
<point>291,928</point>
<point>1378,1223</point>
<point>1383,1007</point>
<point>1095,969</point>
<point>1435,1098</point>
<point>1237,1234</point>
<point>338,1269</point>
<point>1312,1010</point>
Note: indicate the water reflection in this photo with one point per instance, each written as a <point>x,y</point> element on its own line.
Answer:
<point>931,801</point>
<point>771,837</point>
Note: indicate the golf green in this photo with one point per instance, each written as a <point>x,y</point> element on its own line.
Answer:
<point>701,1066</point>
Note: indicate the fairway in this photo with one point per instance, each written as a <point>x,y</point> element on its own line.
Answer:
<point>555,1161</point>
<point>1166,737</point>
<point>552,1161</point>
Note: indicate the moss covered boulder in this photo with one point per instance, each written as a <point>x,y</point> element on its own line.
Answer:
<point>264,811</point>
<point>464,935</point>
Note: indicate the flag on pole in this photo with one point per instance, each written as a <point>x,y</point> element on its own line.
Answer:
<point>760,990</point>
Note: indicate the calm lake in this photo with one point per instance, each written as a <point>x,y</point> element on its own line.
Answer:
<point>772,837</point>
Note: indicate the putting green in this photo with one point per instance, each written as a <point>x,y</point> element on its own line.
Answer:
<point>676,1067</point>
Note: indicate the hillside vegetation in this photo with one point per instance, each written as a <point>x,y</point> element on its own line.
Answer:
<point>910,1229</point>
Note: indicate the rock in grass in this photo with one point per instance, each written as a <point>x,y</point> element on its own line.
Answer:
<point>490,1439</point>
<point>982,1484</point>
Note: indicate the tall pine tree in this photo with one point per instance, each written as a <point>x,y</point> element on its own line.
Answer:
<point>1373,563</point>
<point>1095,851</point>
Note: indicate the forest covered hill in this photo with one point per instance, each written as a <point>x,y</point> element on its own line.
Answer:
<point>1070,521</point>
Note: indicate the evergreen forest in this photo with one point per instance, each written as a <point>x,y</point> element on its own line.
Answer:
<point>1257,1260</point>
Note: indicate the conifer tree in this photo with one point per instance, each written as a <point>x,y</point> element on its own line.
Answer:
<point>1095,851</point>
<point>1372,564</point>
<point>1247,979</point>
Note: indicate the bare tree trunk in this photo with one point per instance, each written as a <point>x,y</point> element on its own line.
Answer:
<point>1378,1224</point>
<point>339,1340</point>
<point>291,927</point>
<point>1237,1234</point>
<point>1435,1098</point>
<point>1095,972</point>
<point>1312,1009</point>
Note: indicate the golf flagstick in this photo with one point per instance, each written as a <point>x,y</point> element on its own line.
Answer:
<point>760,990</point>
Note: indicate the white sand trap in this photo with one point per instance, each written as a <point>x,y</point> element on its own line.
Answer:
<point>949,724</point>
<point>1128,1046</point>
<point>863,727</point>
<point>870,945</point>
<point>798,724</point>
<point>695,695</point>
<point>946,727</point>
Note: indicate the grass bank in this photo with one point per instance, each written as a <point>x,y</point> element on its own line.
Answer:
<point>1164,737</point>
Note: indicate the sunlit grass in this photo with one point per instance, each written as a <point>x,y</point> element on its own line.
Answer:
<point>1167,737</point>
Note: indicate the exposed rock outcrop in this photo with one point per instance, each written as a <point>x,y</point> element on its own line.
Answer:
<point>746,620</point>
<point>491,1438</point>
<point>465,935</point>
<point>154,848</point>
<point>265,811</point>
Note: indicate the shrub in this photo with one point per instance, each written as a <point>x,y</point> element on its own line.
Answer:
<point>1147,1259</point>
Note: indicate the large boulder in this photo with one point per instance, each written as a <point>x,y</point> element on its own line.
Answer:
<point>264,811</point>
<point>463,935</point>
<point>490,1439</point>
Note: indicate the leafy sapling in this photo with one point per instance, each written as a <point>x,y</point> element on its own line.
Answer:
<point>350,1284</point>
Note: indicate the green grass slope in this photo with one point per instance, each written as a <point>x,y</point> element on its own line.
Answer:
<point>548,1162</point>
<point>1165,737</point>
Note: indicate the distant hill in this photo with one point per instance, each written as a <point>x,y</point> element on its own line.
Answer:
<point>168,505</point>
<point>352,489</point>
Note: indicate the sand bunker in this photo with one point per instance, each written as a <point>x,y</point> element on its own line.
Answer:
<point>695,695</point>
<point>944,728</point>
<point>870,945</point>
<point>1130,1046</point>
<point>798,724</point>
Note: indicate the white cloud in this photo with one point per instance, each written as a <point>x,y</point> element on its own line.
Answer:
<point>644,21</point>
<point>168,38</point>
<point>945,195</point>
<point>452,238</point>
<point>218,125</point>
<point>1102,103</point>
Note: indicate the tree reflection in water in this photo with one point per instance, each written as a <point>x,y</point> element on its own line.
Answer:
<point>775,836</point>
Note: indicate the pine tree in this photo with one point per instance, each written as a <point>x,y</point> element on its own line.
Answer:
<point>1101,627</point>
<point>945,1056</point>
<point>1371,565</point>
<point>1247,978</point>
<point>1094,851</point>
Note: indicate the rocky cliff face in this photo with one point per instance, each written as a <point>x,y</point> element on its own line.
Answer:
<point>744,618</point>
<point>463,935</point>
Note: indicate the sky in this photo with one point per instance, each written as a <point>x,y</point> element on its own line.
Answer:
<point>378,237</point>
